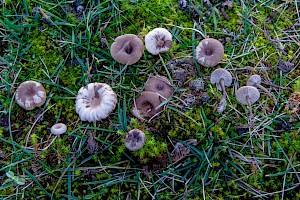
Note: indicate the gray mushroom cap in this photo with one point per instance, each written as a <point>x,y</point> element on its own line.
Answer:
<point>247,91</point>
<point>135,140</point>
<point>209,52</point>
<point>254,79</point>
<point>58,129</point>
<point>30,94</point>
<point>127,49</point>
<point>219,74</point>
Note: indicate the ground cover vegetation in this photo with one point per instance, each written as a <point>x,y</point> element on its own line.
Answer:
<point>65,45</point>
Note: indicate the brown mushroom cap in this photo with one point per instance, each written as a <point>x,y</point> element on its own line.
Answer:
<point>30,94</point>
<point>146,105</point>
<point>127,49</point>
<point>219,74</point>
<point>159,84</point>
<point>247,91</point>
<point>135,140</point>
<point>209,52</point>
<point>253,80</point>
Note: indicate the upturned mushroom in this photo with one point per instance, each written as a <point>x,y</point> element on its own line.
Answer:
<point>135,140</point>
<point>222,78</point>
<point>159,40</point>
<point>247,95</point>
<point>30,94</point>
<point>58,129</point>
<point>146,105</point>
<point>161,85</point>
<point>127,49</point>
<point>255,80</point>
<point>95,101</point>
<point>209,52</point>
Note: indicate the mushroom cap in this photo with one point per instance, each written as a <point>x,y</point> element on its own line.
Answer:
<point>254,79</point>
<point>219,74</point>
<point>127,49</point>
<point>159,40</point>
<point>30,94</point>
<point>95,101</point>
<point>209,52</point>
<point>159,84</point>
<point>135,140</point>
<point>146,105</point>
<point>250,91</point>
<point>59,128</point>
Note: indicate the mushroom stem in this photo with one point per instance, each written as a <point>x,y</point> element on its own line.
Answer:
<point>266,91</point>
<point>222,104</point>
<point>250,107</point>
<point>222,83</point>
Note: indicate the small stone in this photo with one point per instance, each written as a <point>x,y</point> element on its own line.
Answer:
<point>79,9</point>
<point>190,100</point>
<point>204,97</point>
<point>285,66</point>
<point>197,85</point>
<point>35,11</point>
<point>229,4</point>
<point>183,4</point>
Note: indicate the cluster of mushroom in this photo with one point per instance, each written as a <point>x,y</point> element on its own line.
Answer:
<point>209,53</point>
<point>249,94</point>
<point>32,94</point>
<point>148,104</point>
<point>129,48</point>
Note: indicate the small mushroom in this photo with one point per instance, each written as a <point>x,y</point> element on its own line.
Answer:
<point>135,140</point>
<point>159,40</point>
<point>161,85</point>
<point>30,94</point>
<point>58,129</point>
<point>247,95</point>
<point>222,78</point>
<point>209,52</point>
<point>127,49</point>
<point>255,80</point>
<point>95,101</point>
<point>146,105</point>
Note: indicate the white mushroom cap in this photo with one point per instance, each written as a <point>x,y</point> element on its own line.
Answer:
<point>30,94</point>
<point>159,40</point>
<point>58,129</point>
<point>219,74</point>
<point>95,101</point>
<point>247,91</point>
<point>135,140</point>
<point>209,52</point>
<point>254,79</point>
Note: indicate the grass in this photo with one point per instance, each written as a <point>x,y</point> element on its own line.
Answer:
<point>50,42</point>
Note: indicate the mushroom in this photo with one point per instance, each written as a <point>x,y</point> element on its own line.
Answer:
<point>222,78</point>
<point>247,95</point>
<point>95,101</point>
<point>209,52</point>
<point>135,140</point>
<point>127,49</point>
<point>159,40</point>
<point>30,94</point>
<point>161,85</point>
<point>146,105</point>
<point>255,80</point>
<point>58,129</point>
